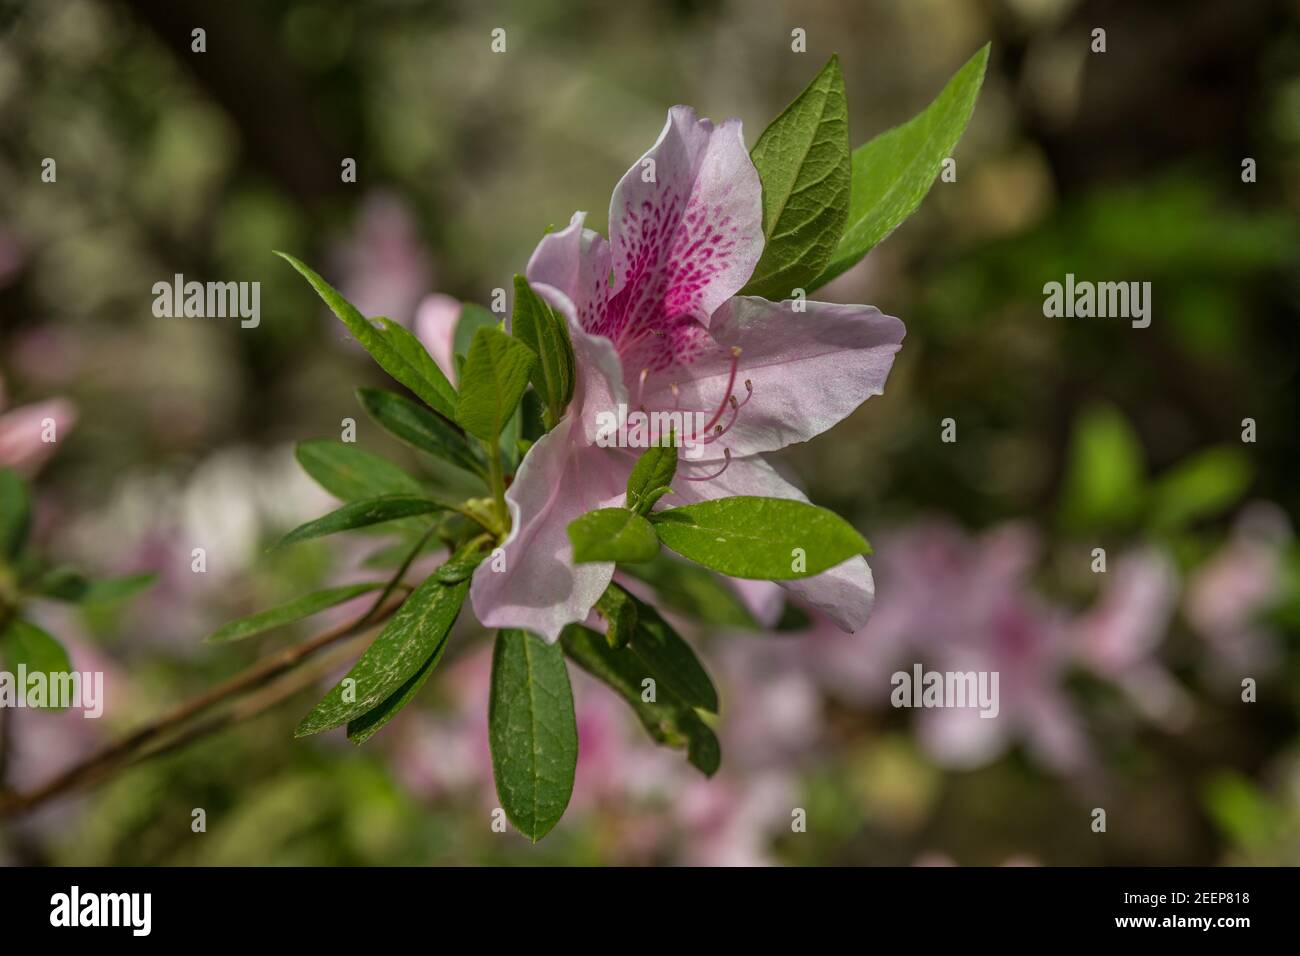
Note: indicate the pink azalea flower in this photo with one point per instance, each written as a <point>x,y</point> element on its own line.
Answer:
<point>386,266</point>
<point>669,334</point>
<point>22,432</point>
<point>1227,595</point>
<point>435,327</point>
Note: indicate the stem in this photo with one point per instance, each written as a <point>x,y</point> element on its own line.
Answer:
<point>106,760</point>
<point>498,485</point>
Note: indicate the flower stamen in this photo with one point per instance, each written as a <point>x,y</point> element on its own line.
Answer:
<point>726,454</point>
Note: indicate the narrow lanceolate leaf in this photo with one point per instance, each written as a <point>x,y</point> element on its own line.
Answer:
<point>772,539</point>
<point>397,351</point>
<point>612,534</point>
<point>536,325</point>
<point>651,477</point>
<point>15,513</point>
<point>802,159</point>
<point>349,473</point>
<point>893,172</point>
<point>492,382</point>
<point>272,618</point>
<point>666,717</point>
<point>23,643</point>
<point>418,427</point>
<point>362,514</point>
<point>401,649</point>
<point>532,731</point>
<point>663,652</point>
<point>361,729</point>
<point>65,584</point>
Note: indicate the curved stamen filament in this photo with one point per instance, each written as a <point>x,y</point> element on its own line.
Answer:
<point>726,454</point>
<point>719,431</point>
<point>731,382</point>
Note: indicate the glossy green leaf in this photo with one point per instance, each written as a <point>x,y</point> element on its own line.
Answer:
<point>296,610</point>
<point>420,428</point>
<point>532,731</point>
<point>774,539</point>
<point>612,534</point>
<point>349,473</point>
<point>651,477</point>
<point>397,654</point>
<point>492,382</point>
<point>663,653</point>
<point>666,717</point>
<point>362,514</point>
<point>537,325</point>
<point>398,352</point>
<point>893,172</point>
<point>802,159</point>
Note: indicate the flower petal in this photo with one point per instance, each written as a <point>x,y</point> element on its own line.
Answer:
<point>845,592</point>
<point>686,227</point>
<point>23,431</point>
<point>576,262</point>
<point>809,370</point>
<point>435,327</point>
<point>533,583</point>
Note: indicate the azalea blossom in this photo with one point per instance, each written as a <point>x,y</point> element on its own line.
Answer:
<point>23,431</point>
<point>669,333</point>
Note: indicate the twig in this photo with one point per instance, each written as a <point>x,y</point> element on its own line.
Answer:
<point>122,752</point>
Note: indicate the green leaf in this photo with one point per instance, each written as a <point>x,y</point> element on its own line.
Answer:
<point>536,325</point>
<point>694,592</point>
<point>65,584</point>
<point>349,473</point>
<point>361,729</point>
<point>667,718</point>
<point>362,514</point>
<point>418,427</point>
<point>612,534</point>
<point>23,643</point>
<point>272,618</point>
<point>15,513</point>
<point>1104,486</point>
<point>532,731</point>
<point>492,382</point>
<point>618,608</point>
<point>652,476</point>
<point>893,172</point>
<point>398,352</point>
<point>472,318</point>
<point>802,159</point>
<point>415,632</point>
<point>663,653</point>
<point>1201,486</point>
<point>772,539</point>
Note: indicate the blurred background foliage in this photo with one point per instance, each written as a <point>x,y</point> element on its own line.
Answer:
<point>1086,433</point>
